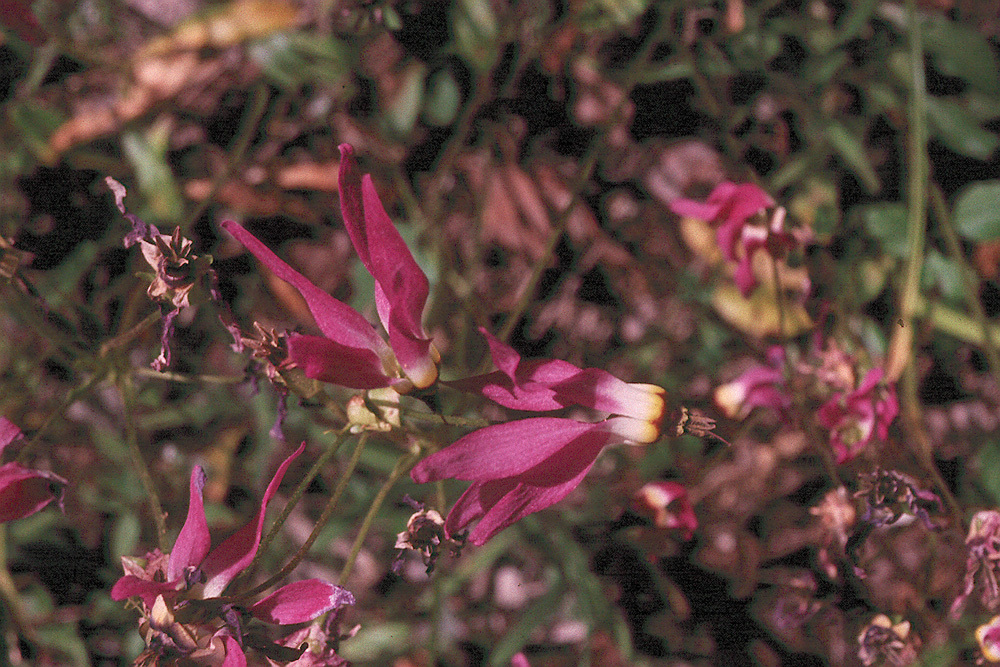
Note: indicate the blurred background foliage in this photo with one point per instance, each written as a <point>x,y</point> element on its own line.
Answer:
<point>527,151</point>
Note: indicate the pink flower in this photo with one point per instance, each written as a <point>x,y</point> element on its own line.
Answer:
<point>666,504</point>
<point>518,468</point>
<point>24,491</point>
<point>730,207</point>
<point>855,418</point>
<point>350,352</point>
<point>193,577</point>
<point>758,386</point>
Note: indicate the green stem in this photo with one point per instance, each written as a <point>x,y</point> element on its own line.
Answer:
<point>300,490</point>
<point>402,466</point>
<point>71,398</point>
<point>11,598</point>
<point>139,463</point>
<point>331,504</point>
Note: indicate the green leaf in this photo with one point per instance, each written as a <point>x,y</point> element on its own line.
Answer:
<point>959,129</point>
<point>851,149</point>
<point>443,99</point>
<point>977,211</point>
<point>963,52</point>
<point>943,274</point>
<point>887,223</point>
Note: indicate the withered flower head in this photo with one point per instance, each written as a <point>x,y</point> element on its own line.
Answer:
<point>983,543</point>
<point>425,534</point>
<point>885,643</point>
<point>890,495</point>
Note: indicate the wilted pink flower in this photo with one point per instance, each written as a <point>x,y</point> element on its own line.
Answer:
<point>759,386</point>
<point>983,544</point>
<point>886,643</point>
<point>666,504</point>
<point>24,491</point>
<point>521,467</point>
<point>730,207</point>
<point>856,418</point>
<point>350,352</point>
<point>184,615</point>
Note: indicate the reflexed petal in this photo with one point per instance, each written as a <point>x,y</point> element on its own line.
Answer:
<point>600,390</point>
<point>194,541</point>
<point>301,601</point>
<point>233,555</point>
<point>401,286</point>
<point>501,450</point>
<point>24,491</point>
<point>328,361</point>
<point>337,321</point>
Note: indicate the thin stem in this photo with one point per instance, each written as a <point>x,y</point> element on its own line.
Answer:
<point>331,504</point>
<point>402,466</point>
<point>168,376</point>
<point>71,398</point>
<point>139,463</point>
<point>300,490</point>
<point>971,293</point>
<point>243,139</point>
<point>134,332</point>
<point>530,286</point>
<point>11,598</point>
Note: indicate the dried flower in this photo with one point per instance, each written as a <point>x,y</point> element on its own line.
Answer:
<point>885,642</point>
<point>983,544</point>
<point>988,636</point>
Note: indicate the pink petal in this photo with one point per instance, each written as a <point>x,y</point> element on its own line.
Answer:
<point>743,201</point>
<point>401,286</point>
<point>597,389</point>
<point>501,450</point>
<point>689,208</point>
<point>301,601</point>
<point>230,558</point>
<point>8,433</point>
<point>24,491</point>
<point>234,653</point>
<point>337,321</point>
<point>329,361</point>
<point>519,660</point>
<point>131,586</point>
<point>519,502</point>
<point>194,541</point>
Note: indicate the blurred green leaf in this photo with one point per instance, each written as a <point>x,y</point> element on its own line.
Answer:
<point>34,124</point>
<point>443,99</point>
<point>609,14</point>
<point>376,640</point>
<point>64,640</point>
<point>475,28</point>
<point>959,130</point>
<point>887,223</point>
<point>148,155</point>
<point>963,52</point>
<point>295,60</point>
<point>401,112</point>
<point>851,149</point>
<point>945,275</point>
<point>977,211</point>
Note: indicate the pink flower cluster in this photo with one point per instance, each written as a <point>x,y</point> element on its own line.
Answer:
<point>853,416</point>
<point>733,209</point>
<point>516,468</point>
<point>184,613</point>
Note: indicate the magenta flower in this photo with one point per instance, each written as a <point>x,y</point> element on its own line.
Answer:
<point>24,491</point>
<point>351,353</point>
<point>518,468</point>
<point>730,207</point>
<point>758,386</point>
<point>183,613</point>
<point>855,418</point>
